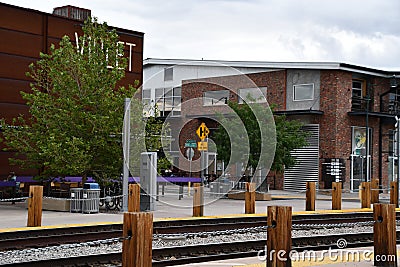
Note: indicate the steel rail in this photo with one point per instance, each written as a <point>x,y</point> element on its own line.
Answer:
<point>55,236</point>
<point>171,256</point>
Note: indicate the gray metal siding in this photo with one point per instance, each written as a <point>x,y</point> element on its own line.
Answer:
<point>307,166</point>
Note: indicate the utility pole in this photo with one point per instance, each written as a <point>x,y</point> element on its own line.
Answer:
<point>393,85</point>
<point>398,147</point>
<point>367,137</point>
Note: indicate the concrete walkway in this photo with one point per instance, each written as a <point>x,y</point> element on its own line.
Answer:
<point>169,206</point>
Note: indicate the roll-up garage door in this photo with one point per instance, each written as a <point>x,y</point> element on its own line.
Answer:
<point>307,167</point>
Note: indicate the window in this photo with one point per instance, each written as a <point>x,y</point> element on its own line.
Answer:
<point>168,74</point>
<point>360,140</point>
<point>215,98</point>
<point>394,103</point>
<point>392,143</point>
<point>357,89</point>
<point>147,102</point>
<point>358,102</point>
<point>168,100</point>
<point>252,95</point>
<point>146,96</point>
<point>176,101</point>
<point>303,92</point>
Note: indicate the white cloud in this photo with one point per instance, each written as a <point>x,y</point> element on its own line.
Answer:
<point>353,31</point>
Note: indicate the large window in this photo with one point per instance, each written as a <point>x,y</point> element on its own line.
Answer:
<point>360,139</point>
<point>360,156</point>
<point>394,103</point>
<point>215,98</point>
<point>252,95</point>
<point>168,100</point>
<point>302,92</point>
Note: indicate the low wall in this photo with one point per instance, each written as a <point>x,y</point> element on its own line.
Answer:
<point>241,195</point>
<point>56,204</point>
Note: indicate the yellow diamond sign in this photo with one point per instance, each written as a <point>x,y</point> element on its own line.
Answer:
<point>202,131</point>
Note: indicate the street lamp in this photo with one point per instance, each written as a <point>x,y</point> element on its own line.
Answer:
<point>393,84</point>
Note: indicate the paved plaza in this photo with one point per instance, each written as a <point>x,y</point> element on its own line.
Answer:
<point>170,206</point>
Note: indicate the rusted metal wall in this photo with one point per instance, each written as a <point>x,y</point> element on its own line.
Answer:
<point>24,33</point>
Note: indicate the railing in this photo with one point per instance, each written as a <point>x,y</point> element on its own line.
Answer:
<point>390,105</point>
<point>361,104</point>
<point>387,105</point>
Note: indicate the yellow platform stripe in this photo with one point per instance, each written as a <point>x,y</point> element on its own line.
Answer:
<point>339,258</point>
<point>187,218</point>
<point>56,226</point>
<point>281,197</point>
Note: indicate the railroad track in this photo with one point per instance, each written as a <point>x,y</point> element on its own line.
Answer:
<point>55,236</point>
<point>208,252</point>
<point>181,255</point>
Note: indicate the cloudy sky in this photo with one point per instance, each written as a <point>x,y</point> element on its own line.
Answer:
<point>361,32</point>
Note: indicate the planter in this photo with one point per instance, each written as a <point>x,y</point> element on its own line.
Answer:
<point>56,204</point>
<point>240,195</point>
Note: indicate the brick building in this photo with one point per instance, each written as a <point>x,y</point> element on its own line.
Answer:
<point>24,33</point>
<point>337,102</point>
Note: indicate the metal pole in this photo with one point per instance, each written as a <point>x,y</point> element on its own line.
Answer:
<point>201,200</point>
<point>367,179</point>
<point>362,169</point>
<point>398,148</point>
<point>190,162</point>
<point>126,144</point>
<point>351,173</point>
<point>202,167</point>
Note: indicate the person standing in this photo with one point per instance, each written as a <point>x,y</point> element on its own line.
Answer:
<point>12,177</point>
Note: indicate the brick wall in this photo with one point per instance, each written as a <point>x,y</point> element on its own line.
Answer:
<point>192,100</point>
<point>335,123</point>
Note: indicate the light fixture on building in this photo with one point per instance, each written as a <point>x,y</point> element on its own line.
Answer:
<point>393,81</point>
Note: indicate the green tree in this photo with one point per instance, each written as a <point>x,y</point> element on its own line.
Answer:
<point>76,108</point>
<point>158,138</point>
<point>289,136</point>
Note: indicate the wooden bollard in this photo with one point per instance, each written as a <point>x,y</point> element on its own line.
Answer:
<point>336,196</point>
<point>279,242</point>
<point>198,207</point>
<point>250,198</point>
<point>374,191</point>
<point>365,195</point>
<point>394,193</point>
<point>35,206</point>
<point>310,196</point>
<point>138,238</point>
<point>134,198</point>
<point>385,252</point>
